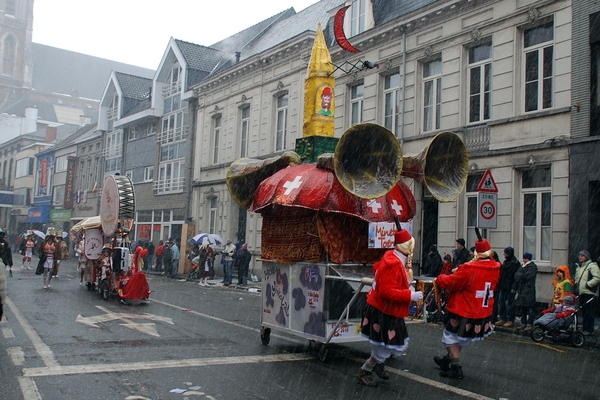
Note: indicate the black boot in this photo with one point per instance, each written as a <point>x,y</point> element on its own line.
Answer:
<point>442,362</point>
<point>455,372</point>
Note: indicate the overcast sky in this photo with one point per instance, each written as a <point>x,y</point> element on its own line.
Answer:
<point>137,31</point>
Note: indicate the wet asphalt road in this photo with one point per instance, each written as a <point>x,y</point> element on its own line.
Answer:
<point>67,343</point>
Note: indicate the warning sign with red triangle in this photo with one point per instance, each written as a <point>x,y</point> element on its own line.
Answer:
<point>487,184</point>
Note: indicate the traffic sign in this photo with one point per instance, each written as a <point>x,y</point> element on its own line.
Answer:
<point>487,205</point>
<point>487,184</point>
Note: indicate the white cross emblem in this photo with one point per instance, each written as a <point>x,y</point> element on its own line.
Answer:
<point>486,294</point>
<point>291,185</point>
<point>375,206</point>
<point>397,207</point>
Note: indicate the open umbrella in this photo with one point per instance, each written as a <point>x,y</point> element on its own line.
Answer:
<point>39,233</point>
<point>87,223</point>
<point>312,187</point>
<point>211,237</point>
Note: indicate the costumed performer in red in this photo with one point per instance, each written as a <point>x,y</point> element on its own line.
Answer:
<point>470,291</point>
<point>387,304</point>
<point>135,286</point>
<point>138,257</point>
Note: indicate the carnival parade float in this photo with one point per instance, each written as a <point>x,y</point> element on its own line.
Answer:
<point>109,267</point>
<point>329,209</point>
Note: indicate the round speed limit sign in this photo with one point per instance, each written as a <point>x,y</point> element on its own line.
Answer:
<point>487,210</point>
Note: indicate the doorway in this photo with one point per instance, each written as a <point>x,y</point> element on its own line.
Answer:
<point>430,227</point>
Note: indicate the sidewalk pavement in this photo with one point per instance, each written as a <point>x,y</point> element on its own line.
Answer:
<point>217,281</point>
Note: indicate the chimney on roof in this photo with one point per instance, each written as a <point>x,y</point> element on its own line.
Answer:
<point>84,120</point>
<point>31,116</point>
<point>238,55</point>
<point>51,132</point>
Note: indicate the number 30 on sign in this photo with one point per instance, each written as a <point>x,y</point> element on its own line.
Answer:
<point>486,210</point>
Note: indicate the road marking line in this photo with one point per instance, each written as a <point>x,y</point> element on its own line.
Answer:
<point>404,374</point>
<point>17,355</point>
<point>147,365</point>
<point>550,347</point>
<point>290,339</point>
<point>29,389</point>
<point>42,349</point>
<point>8,333</point>
<point>430,382</point>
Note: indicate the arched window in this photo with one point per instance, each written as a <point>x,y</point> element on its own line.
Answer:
<point>9,55</point>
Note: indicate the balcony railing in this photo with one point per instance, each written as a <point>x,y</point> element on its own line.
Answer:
<point>165,186</point>
<point>173,135</point>
<point>112,152</point>
<point>477,138</point>
<point>112,113</point>
<point>171,89</point>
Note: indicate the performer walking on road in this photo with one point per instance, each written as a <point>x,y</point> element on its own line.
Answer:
<point>470,304</point>
<point>387,305</point>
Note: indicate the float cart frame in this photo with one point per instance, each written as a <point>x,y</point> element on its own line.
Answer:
<point>320,302</point>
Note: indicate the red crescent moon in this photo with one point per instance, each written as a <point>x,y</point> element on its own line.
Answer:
<point>338,29</point>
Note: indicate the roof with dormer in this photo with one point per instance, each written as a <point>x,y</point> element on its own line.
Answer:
<point>238,41</point>
<point>284,26</point>
<point>134,87</point>
<point>74,138</point>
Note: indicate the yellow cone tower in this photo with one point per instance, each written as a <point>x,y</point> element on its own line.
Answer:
<point>319,87</point>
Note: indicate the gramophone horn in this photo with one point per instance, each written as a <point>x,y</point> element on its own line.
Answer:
<point>244,175</point>
<point>368,160</point>
<point>442,166</point>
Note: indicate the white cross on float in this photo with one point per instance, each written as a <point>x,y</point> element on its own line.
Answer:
<point>291,185</point>
<point>397,207</point>
<point>375,206</point>
<point>149,329</point>
<point>485,294</point>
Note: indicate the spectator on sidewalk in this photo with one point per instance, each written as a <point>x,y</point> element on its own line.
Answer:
<point>159,255</point>
<point>2,288</point>
<point>167,258</point>
<point>505,296</point>
<point>243,261</point>
<point>587,280</point>
<point>228,253</point>
<point>525,295</point>
<point>461,254</point>
<point>433,262</point>
<point>176,256</point>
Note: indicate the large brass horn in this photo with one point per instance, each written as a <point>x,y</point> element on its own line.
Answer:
<point>442,166</point>
<point>244,175</point>
<point>368,160</point>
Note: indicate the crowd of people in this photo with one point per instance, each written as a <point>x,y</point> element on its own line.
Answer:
<point>233,257</point>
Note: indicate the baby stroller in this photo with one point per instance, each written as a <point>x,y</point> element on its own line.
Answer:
<point>560,323</point>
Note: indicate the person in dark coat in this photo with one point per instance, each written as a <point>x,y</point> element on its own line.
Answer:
<point>524,287</point>
<point>6,252</point>
<point>243,260</point>
<point>433,262</point>
<point>167,258</point>
<point>505,300</point>
<point>461,254</point>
